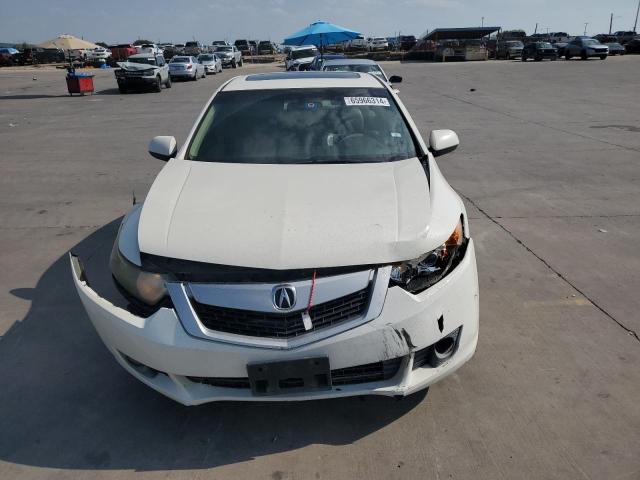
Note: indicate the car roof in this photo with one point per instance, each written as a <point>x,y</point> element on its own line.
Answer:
<point>143,55</point>
<point>350,61</point>
<point>278,80</point>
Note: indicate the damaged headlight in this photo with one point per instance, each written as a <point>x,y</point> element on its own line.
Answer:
<point>145,286</point>
<point>421,273</point>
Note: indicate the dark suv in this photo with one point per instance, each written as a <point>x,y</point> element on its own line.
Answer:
<point>539,51</point>
<point>406,42</point>
<point>243,46</point>
<point>266,48</point>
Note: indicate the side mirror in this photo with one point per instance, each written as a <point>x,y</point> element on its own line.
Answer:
<point>395,79</point>
<point>443,141</point>
<point>163,147</point>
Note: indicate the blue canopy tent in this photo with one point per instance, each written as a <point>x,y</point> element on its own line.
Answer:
<point>321,34</point>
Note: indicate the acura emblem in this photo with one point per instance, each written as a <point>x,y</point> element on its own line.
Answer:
<point>284,297</point>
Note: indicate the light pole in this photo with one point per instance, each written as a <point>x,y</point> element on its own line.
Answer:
<point>585,28</point>
<point>637,11</point>
<point>610,23</point>
<point>482,22</point>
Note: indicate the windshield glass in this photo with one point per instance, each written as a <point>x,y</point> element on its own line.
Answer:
<point>180,60</point>
<point>514,44</point>
<point>307,52</point>
<point>205,58</point>
<point>545,45</point>
<point>144,60</point>
<point>224,49</point>
<point>591,42</point>
<point>334,125</point>
<point>375,69</point>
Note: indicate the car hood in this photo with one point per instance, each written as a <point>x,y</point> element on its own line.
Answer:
<point>287,216</point>
<point>135,66</point>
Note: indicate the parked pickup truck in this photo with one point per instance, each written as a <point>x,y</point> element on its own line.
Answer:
<point>143,70</point>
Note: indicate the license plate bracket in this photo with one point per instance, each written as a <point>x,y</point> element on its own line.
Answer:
<point>291,376</point>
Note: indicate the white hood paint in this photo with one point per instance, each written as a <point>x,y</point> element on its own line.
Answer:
<point>288,216</point>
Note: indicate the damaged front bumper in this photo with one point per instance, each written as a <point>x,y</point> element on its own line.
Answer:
<point>159,352</point>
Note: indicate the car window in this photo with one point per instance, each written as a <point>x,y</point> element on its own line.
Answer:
<point>180,60</point>
<point>374,69</point>
<point>335,125</point>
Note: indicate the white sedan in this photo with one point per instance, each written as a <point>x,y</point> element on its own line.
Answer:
<point>211,62</point>
<point>319,254</point>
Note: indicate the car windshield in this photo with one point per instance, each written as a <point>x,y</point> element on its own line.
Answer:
<point>143,60</point>
<point>205,58</point>
<point>181,60</point>
<point>375,69</point>
<point>545,45</point>
<point>514,44</point>
<point>293,126</point>
<point>191,44</point>
<point>224,49</point>
<point>307,52</point>
<point>591,42</point>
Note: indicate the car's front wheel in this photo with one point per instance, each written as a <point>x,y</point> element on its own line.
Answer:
<point>524,57</point>
<point>158,86</point>
<point>167,84</point>
<point>233,64</point>
<point>122,89</point>
<point>240,62</point>
<point>583,55</point>
<point>603,57</point>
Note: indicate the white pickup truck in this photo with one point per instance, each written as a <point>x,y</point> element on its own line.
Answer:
<point>143,70</point>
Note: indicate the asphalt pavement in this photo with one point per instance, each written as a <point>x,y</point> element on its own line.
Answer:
<point>549,166</point>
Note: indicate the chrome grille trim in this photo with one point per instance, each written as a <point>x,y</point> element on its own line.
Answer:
<point>181,295</point>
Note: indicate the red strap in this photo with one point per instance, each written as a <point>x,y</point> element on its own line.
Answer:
<point>313,289</point>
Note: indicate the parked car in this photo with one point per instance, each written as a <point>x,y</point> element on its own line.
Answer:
<point>98,54</point>
<point>186,67</point>
<point>539,51</point>
<point>406,42</point>
<point>361,65</point>
<point>560,47</point>
<point>253,47</point>
<point>229,55</point>
<point>194,48</point>
<point>367,286</point>
<point>122,51</point>
<point>319,60</point>
<point>143,70</point>
<point>509,49</point>
<point>377,43</point>
<point>585,47</point>
<point>211,62</point>
<point>633,46</point>
<point>266,48</point>
<point>624,37</point>
<point>300,58</point>
<point>151,48</point>
<point>615,48</point>
<point>559,37</point>
<point>9,56</point>
<point>357,44</point>
<point>243,47</point>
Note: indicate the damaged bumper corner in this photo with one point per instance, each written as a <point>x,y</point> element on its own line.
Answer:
<point>159,352</point>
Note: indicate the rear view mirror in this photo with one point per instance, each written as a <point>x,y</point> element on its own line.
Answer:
<point>443,141</point>
<point>163,147</point>
<point>395,79</point>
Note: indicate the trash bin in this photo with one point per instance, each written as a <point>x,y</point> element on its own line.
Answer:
<point>79,83</point>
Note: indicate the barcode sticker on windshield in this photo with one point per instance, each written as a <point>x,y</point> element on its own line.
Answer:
<point>373,101</point>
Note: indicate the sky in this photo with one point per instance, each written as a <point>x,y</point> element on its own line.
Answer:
<point>119,21</point>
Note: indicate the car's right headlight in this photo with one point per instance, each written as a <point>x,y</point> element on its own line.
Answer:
<point>419,274</point>
<point>148,287</point>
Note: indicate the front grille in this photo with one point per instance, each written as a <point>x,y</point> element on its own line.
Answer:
<point>281,325</point>
<point>371,372</point>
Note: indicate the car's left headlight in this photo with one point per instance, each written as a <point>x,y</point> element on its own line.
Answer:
<point>148,287</point>
<point>419,274</point>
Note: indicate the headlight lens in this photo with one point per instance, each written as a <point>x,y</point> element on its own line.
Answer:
<point>145,286</point>
<point>421,273</point>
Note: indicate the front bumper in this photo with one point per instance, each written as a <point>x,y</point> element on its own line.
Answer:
<point>136,81</point>
<point>210,68</point>
<point>407,324</point>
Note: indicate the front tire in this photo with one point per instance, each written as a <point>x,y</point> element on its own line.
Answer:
<point>233,64</point>
<point>603,57</point>
<point>122,89</point>
<point>241,62</point>
<point>583,55</point>
<point>567,56</point>
<point>158,86</point>
<point>167,84</point>
<point>524,58</point>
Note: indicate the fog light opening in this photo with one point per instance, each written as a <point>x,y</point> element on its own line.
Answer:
<point>141,368</point>
<point>444,348</point>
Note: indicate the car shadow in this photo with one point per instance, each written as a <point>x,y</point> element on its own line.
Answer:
<point>66,404</point>
<point>31,97</point>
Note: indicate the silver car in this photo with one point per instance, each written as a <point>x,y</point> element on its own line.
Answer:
<point>188,68</point>
<point>211,62</point>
